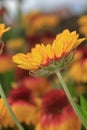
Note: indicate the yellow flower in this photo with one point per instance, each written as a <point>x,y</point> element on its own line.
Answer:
<point>3,30</point>
<point>36,21</point>
<point>76,72</point>
<point>42,22</point>
<point>82,21</point>
<point>43,60</point>
<point>5,118</point>
<point>24,112</point>
<point>15,43</point>
<point>83,30</point>
<point>78,69</point>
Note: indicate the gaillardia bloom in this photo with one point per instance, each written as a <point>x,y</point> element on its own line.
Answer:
<point>24,105</point>
<point>42,23</point>
<point>38,85</point>
<point>6,63</point>
<point>5,117</point>
<point>37,21</point>
<point>44,60</point>
<point>78,69</point>
<point>3,30</point>
<point>15,44</point>
<point>56,113</point>
<point>82,22</point>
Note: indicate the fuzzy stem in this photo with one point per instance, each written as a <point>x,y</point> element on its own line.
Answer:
<point>74,106</point>
<point>9,109</point>
<point>1,46</point>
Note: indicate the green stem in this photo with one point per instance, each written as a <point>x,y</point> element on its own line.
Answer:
<point>74,106</point>
<point>2,46</point>
<point>9,109</point>
<point>0,127</point>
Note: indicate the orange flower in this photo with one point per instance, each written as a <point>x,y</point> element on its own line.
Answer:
<point>46,59</point>
<point>56,113</point>
<point>3,30</point>
<point>39,86</point>
<point>5,118</point>
<point>5,63</point>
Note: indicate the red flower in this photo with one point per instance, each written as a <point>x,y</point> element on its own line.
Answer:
<point>56,113</point>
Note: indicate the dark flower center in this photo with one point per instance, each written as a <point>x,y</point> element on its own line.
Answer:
<point>54,101</point>
<point>20,93</point>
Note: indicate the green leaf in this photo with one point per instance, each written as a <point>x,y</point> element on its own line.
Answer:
<point>6,79</point>
<point>83,112</point>
<point>83,128</point>
<point>83,102</point>
<point>83,107</point>
<point>71,87</point>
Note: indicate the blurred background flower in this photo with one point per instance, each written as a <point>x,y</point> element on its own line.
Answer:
<point>56,113</point>
<point>78,70</point>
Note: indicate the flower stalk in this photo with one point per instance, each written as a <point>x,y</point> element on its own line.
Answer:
<point>9,109</point>
<point>1,46</point>
<point>74,106</point>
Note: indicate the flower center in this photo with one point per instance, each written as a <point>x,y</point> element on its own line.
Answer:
<point>54,101</point>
